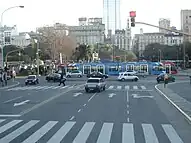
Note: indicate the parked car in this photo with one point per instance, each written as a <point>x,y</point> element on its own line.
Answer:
<point>31,79</point>
<point>125,76</point>
<point>75,73</point>
<point>160,78</point>
<point>55,77</point>
<point>131,72</point>
<point>96,84</point>
<point>97,75</point>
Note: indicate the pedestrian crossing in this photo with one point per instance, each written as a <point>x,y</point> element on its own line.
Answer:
<point>17,131</point>
<point>108,87</point>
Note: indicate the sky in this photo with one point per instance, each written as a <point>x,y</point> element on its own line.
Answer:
<point>39,13</point>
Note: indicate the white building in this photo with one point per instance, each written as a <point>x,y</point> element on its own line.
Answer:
<point>89,32</point>
<point>165,23</point>
<point>186,23</point>
<point>172,39</point>
<point>122,38</point>
<point>8,33</point>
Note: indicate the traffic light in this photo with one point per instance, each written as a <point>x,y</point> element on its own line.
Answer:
<point>132,22</point>
<point>132,15</point>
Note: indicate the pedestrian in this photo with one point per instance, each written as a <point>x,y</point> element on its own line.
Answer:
<point>1,77</point>
<point>62,80</point>
<point>5,77</point>
<point>165,80</point>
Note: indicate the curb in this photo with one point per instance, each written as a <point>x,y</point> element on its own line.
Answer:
<point>186,116</point>
<point>17,83</point>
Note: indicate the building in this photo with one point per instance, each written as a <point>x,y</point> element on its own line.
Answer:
<point>8,33</point>
<point>111,15</point>
<point>186,23</point>
<point>21,40</point>
<point>123,38</point>
<point>172,39</point>
<point>90,31</point>
<point>165,23</point>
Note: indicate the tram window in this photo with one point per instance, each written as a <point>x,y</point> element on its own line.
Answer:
<point>114,68</point>
<point>158,68</point>
<point>130,67</point>
<point>137,68</point>
<point>93,68</point>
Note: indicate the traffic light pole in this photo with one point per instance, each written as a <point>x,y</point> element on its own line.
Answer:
<point>176,31</point>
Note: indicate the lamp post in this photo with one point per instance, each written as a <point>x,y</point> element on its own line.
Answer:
<point>2,31</point>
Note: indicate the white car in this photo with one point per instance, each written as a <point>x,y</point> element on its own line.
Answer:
<point>75,73</point>
<point>131,72</point>
<point>125,76</point>
<point>96,84</point>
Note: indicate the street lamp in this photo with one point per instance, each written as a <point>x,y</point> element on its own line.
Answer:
<point>2,31</point>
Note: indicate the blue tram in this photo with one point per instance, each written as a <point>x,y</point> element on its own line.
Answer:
<point>113,68</point>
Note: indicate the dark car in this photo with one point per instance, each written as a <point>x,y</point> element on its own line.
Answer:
<point>97,75</point>
<point>31,79</point>
<point>55,77</point>
<point>160,78</point>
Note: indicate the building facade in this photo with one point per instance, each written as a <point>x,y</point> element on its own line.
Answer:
<point>165,23</point>
<point>172,39</point>
<point>122,38</point>
<point>186,23</point>
<point>21,40</point>
<point>111,15</point>
<point>90,31</point>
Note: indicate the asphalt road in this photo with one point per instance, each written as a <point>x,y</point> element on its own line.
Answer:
<point>130,112</point>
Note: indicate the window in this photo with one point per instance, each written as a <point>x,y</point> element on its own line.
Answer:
<point>93,81</point>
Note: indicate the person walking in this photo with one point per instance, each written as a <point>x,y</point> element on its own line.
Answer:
<point>62,80</point>
<point>165,80</point>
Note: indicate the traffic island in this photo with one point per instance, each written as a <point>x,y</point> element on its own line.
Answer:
<point>181,104</point>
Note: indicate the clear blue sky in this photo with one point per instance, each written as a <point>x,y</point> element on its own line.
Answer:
<point>40,12</point>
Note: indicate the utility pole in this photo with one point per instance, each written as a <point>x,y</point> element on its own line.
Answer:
<point>37,57</point>
<point>184,52</point>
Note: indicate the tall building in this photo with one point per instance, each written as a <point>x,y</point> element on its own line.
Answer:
<point>111,15</point>
<point>165,23</point>
<point>186,23</point>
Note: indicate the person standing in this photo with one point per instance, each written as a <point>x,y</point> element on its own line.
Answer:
<point>165,79</point>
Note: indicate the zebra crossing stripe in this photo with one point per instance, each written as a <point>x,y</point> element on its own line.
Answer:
<point>61,133</point>
<point>128,133</point>
<point>111,87</point>
<point>64,87</point>
<point>149,133</point>
<point>119,87</point>
<point>55,87</point>
<point>171,133</point>
<point>105,134</point>
<point>40,133</point>
<point>135,87</point>
<point>2,120</point>
<point>126,87</point>
<point>84,133</point>
<point>19,131</point>
<point>9,125</point>
<point>143,87</point>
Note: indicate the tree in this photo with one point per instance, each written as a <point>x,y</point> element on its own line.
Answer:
<point>56,42</point>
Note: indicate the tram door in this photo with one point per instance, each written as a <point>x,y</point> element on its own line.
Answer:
<point>129,67</point>
<point>101,68</point>
<point>144,68</point>
<point>87,69</point>
<point>168,68</point>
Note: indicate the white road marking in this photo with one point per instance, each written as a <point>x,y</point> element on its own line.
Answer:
<point>84,133</point>
<point>91,97</point>
<point>127,96</point>
<point>110,87</point>
<point>127,87</point>
<point>64,86</point>
<point>127,111</point>
<point>143,87</point>
<point>128,133</point>
<point>18,131</point>
<point>72,118</point>
<point>127,106</point>
<point>9,125</point>
<point>13,99</point>
<point>149,133</point>
<point>171,133</point>
<point>61,133</point>
<point>111,95</point>
<point>119,87</point>
<point>77,94</point>
<point>105,134</point>
<point>135,87</point>
<point>79,110</point>
<point>40,133</point>
<point>2,120</point>
<point>84,105</point>
<point>128,120</point>
<point>10,115</point>
<point>21,103</point>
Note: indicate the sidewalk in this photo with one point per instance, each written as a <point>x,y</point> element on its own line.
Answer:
<point>178,99</point>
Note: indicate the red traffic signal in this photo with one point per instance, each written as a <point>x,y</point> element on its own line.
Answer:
<point>132,13</point>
